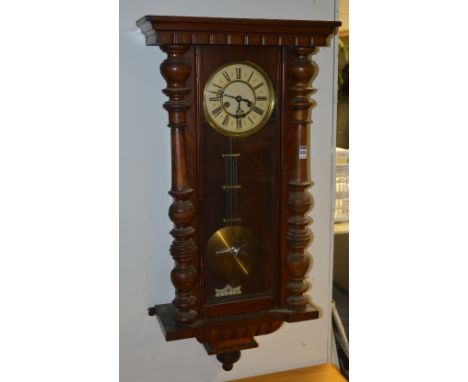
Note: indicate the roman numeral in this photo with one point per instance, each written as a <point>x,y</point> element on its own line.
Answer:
<point>214,98</point>
<point>239,123</point>
<point>259,85</point>
<point>251,74</point>
<point>258,110</point>
<point>261,98</point>
<point>226,76</point>
<point>250,119</point>
<point>238,73</point>
<point>225,121</point>
<point>216,111</point>
<point>217,86</point>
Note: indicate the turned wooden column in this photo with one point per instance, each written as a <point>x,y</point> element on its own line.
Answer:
<point>176,71</point>
<point>300,71</point>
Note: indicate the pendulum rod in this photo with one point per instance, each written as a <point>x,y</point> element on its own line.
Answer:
<point>231,186</point>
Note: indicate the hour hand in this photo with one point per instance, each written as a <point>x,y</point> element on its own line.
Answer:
<point>249,102</point>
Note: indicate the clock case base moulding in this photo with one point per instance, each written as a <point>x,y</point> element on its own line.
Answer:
<point>225,335</point>
<point>227,332</point>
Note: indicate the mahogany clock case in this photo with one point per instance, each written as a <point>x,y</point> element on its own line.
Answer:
<point>267,156</point>
<point>274,168</point>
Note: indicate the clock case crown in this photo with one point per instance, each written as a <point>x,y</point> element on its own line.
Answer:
<point>292,42</point>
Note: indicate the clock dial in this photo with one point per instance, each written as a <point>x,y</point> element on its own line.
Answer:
<point>238,99</point>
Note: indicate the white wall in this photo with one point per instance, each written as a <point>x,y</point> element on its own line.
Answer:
<point>145,262</point>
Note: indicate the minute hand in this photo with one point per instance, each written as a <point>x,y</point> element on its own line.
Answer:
<point>239,98</point>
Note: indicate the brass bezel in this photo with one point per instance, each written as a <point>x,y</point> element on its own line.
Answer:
<point>265,119</point>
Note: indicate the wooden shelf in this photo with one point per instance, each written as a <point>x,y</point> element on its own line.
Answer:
<point>320,373</point>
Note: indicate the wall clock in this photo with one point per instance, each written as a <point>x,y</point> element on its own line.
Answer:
<point>239,102</point>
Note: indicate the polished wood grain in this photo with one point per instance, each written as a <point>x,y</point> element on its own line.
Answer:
<point>301,71</point>
<point>175,71</point>
<point>160,30</point>
<point>228,359</point>
<point>320,373</point>
<point>214,331</point>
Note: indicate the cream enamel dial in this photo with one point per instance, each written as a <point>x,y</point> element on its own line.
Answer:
<point>238,99</point>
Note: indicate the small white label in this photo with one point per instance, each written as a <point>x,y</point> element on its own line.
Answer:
<point>302,152</point>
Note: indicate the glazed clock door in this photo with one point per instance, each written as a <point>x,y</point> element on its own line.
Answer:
<point>240,170</point>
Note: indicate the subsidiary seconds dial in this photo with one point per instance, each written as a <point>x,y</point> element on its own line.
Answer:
<point>238,99</point>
